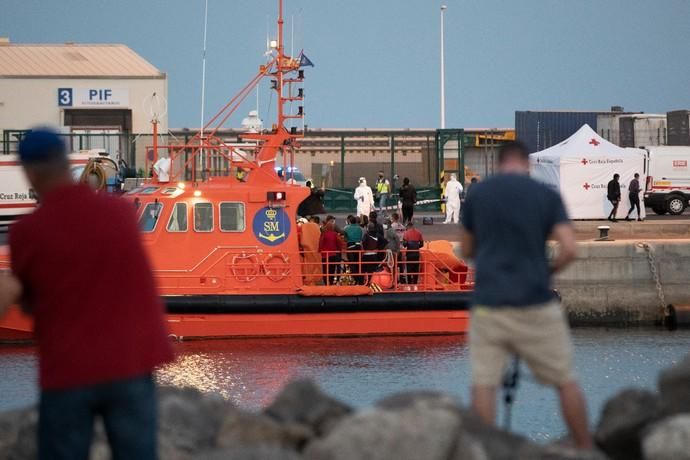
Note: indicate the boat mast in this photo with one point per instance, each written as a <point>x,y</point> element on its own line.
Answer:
<point>203,88</point>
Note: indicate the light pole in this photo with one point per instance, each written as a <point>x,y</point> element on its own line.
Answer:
<point>443,69</point>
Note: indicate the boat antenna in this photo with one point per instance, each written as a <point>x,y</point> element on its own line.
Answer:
<point>203,82</point>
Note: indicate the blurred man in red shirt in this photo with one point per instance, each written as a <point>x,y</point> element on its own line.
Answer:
<point>99,320</point>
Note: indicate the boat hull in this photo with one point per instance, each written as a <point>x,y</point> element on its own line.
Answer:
<point>212,317</point>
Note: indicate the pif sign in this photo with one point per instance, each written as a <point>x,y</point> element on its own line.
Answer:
<point>271,226</point>
<point>93,97</point>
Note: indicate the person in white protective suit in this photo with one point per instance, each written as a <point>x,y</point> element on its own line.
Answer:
<point>364,198</point>
<point>162,169</point>
<point>452,197</point>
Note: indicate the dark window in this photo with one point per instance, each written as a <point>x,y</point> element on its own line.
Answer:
<point>232,217</point>
<point>149,218</point>
<point>203,217</point>
<point>178,218</point>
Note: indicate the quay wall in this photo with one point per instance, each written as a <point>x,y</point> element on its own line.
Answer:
<point>611,281</point>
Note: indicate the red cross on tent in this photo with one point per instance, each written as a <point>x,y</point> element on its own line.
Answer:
<point>594,142</point>
<point>584,161</point>
<point>586,186</point>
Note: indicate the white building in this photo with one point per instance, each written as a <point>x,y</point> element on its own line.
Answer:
<point>104,92</point>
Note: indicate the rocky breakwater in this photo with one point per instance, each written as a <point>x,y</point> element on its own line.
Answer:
<point>305,423</point>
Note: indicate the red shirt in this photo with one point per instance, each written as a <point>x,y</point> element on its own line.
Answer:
<point>98,315</point>
<point>330,243</point>
<point>413,234</point>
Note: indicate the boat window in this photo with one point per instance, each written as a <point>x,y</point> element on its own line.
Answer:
<point>134,191</point>
<point>149,218</point>
<point>169,190</point>
<point>203,217</point>
<point>178,218</point>
<point>149,190</point>
<point>232,217</point>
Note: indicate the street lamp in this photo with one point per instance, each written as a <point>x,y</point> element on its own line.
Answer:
<point>443,69</point>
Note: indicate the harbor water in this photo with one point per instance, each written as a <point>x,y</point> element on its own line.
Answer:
<point>362,370</point>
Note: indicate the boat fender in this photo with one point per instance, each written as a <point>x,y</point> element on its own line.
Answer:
<point>276,271</point>
<point>245,267</point>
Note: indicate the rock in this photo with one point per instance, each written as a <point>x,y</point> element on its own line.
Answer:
<point>247,429</point>
<point>674,383</point>
<point>622,421</point>
<point>378,434</point>
<point>10,423</point>
<point>25,447</point>
<point>250,453</point>
<point>557,452</point>
<point>409,399</point>
<point>301,401</point>
<point>188,420</point>
<point>498,444</point>
<point>668,439</point>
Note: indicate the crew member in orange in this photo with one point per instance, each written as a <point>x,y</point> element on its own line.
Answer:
<point>310,235</point>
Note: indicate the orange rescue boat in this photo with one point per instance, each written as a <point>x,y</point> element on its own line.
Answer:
<point>221,229</point>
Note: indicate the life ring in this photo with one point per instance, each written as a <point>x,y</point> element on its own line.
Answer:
<point>276,266</point>
<point>245,267</point>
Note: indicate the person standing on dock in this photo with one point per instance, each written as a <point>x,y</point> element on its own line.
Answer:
<point>451,196</point>
<point>99,321</point>
<point>364,198</point>
<point>515,310</point>
<point>634,196</point>
<point>614,196</point>
<point>408,196</point>
<point>383,190</point>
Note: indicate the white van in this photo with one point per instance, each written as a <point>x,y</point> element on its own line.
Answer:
<point>668,179</point>
<point>16,196</point>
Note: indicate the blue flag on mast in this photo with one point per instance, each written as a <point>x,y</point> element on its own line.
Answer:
<point>304,60</point>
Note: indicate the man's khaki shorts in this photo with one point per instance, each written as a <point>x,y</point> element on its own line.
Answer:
<point>539,335</point>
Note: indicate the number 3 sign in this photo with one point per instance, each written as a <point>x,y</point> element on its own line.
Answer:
<point>65,97</point>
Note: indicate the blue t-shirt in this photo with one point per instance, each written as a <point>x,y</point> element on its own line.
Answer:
<point>511,216</point>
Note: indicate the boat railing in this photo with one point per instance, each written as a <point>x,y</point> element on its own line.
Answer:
<point>254,270</point>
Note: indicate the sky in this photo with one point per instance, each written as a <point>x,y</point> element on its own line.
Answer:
<point>377,61</point>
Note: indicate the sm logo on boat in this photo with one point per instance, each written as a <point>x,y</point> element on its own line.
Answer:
<point>271,226</point>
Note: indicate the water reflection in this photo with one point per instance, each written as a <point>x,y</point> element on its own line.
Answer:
<point>251,372</point>
<point>363,370</point>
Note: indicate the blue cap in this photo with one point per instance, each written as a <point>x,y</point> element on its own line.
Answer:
<point>41,144</point>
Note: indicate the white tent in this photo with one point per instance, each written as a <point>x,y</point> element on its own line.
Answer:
<point>580,168</point>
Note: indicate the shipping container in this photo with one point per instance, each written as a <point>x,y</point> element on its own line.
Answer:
<point>626,131</point>
<point>542,129</point>
<point>649,130</point>
<point>608,127</point>
<point>678,123</point>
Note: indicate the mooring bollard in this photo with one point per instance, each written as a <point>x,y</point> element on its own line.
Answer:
<point>603,232</point>
<point>678,317</point>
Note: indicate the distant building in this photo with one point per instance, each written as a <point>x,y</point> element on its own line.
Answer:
<point>338,157</point>
<point>104,92</point>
